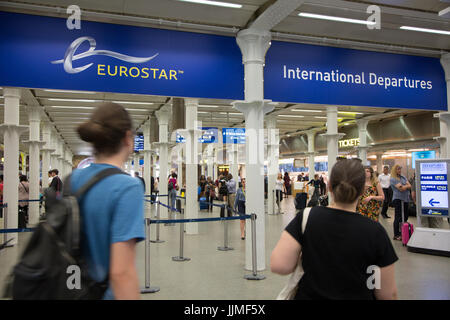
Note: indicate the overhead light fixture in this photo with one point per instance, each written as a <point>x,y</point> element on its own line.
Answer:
<point>333,18</point>
<point>69,91</point>
<point>207,106</point>
<point>70,107</point>
<point>145,110</point>
<point>71,100</point>
<point>215,3</point>
<point>290,116</point>
<point>134,102</point>
<point>349,112</point>
<point>321,117</point>
<point>304,110</point>
<point>425,30</point>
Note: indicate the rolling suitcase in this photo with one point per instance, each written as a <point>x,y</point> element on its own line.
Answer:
<point>300,200</point>
<point>203,204</point>
<point>407,228</point>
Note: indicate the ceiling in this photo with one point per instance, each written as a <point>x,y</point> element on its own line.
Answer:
<point>66,115</point>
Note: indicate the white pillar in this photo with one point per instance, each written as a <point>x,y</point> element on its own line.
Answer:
<point>163,122</point>
<point>332,136</point>
<point>191,133</point>
<point>147,158</point>
<point>46,151</point>
<point>254,45</point>
<point>210,161</point>
<point>362,148</point>
<point>273,157</point>
<point>11,133</point>
<point>136,160</point>
<point>180,153</point>
<point>379,163</point>
<point>443,139</point>
<point>34,145</point>
<point>311,154</point>
<point>233,160</point>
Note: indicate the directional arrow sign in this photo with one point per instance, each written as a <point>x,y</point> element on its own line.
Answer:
<point>432,202</point>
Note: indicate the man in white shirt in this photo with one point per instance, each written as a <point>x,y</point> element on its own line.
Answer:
<point>385,182</point>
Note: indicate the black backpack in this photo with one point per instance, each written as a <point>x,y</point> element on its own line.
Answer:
<point>52,267</point>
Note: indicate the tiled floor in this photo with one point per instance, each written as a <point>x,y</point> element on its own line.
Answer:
<point>219,275</point>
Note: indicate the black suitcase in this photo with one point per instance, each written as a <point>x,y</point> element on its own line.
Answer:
<point>300,200</point>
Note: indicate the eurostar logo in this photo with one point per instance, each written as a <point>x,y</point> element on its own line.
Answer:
<point>70,56</point>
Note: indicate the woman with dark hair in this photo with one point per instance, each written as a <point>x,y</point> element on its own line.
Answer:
<point>287,184</point>
<point>24,194</point>
<point>339,248</point>
<point>369,203</point>
<point>112,211</point>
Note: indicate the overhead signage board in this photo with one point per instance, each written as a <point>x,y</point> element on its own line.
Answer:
<point>233,135</point>
<point>209,135</point>
<point>302,73</point>
<point>432,176</point>
<point>420,155</point>
<point>41,52</point>
<point>139,142</point>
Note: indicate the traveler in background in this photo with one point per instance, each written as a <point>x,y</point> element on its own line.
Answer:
<point>156,187</point>
<point>223,190</point>
<point>231,187</point>
<point>172,187</point>
<point>136,174</point>
<point>385,182</point>
<point>323,186</point>
<point>279,184</point>
<point>370,201</point>
<point>24,194</point>
<point>56,185</point>
<point>202,184</point>
<point>400,187</point>
<point>50,177</point>
<point>348,242</point>
<point>287,184</point>
<point>210,193</point>
<point>239,206</point>
<point>316,184</point>
<point>112,211</point>
<point>152,188</point>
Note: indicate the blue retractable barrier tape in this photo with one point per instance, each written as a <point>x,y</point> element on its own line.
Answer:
<point>17,230</point>
<point>201,220</point>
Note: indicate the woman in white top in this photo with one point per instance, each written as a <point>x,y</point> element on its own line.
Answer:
<point>279,188</point>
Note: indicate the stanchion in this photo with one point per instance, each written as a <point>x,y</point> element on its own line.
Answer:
<point>225,235</point>
<point>254,275</point>
<point>180,258</point>
<point>157,225</point>
<point>148,288</point>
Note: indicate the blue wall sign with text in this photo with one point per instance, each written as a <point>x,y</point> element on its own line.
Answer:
<point>40,52</point>
<point>233,135</point>
<point>301,73</point>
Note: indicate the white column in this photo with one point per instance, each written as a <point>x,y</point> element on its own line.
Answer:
<point>163,122</point>
<point>180,148</point>
<point>234,165</point>
<point>311,154</point>
<point>380,162</point>
<point>136,162</point>
<point>362,148</point>
<point>273,156</point>
<point>210,161</point>
<point>254,45</point>
<point>191,133</point>
<point>147,157</point>
<point>443,139</point>
<point>11,133</point>
<point>332,136</point>
<point>46,151</point>
<point>34,145</point>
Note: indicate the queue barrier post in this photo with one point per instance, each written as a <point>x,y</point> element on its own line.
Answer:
<point>157,225</point>
<point>254,275</point>
<point>148,288</point>
<point>180,258</point>
<point>225,235</point>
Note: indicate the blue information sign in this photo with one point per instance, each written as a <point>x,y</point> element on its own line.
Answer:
<point>419,155</point>
<point>209,135</point>
<point>302,73</point>
<point>40,52</point>
<point>139,142</point>
<point>434,197</point>
<point>233,135</point>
